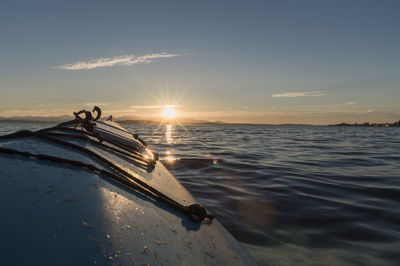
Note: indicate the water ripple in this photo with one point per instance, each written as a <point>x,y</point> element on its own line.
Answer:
<point>331,189</point>
<point>295,195</point>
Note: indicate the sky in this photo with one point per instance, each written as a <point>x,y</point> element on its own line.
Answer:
<point>313,62</point>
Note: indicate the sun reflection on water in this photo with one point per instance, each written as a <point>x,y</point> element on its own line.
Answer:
<point>170,159</point>
<point>168,135</point>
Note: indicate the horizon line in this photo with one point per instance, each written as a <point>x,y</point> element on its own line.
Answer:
<point>143,121</point>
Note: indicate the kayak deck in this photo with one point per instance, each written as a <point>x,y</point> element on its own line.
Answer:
<point>61,214</point>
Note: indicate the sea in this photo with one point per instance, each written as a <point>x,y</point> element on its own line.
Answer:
<point>292,195</point>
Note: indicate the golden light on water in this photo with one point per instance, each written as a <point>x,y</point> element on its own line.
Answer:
<point>170,104</point>
<point>168,135</point>
<point>170,158</point>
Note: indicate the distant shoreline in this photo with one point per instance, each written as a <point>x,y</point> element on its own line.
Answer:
<point>367,124</point>
<point>55,120</point>
<point>155,123</point>
<point>28,121</point>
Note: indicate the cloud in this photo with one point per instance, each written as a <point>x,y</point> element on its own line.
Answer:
<point>352,102</point>
<point>153,106</point>
<point>299,94</point>
<point>365,112</point>
<point>124,60</point>
<point>96,104</point>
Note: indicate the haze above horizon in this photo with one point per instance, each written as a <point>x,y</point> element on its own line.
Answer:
<point>273,62</point>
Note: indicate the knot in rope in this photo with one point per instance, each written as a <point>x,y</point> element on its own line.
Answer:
<point>198,213</point>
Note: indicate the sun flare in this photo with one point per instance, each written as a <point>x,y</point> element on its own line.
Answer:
<point>169,113</point>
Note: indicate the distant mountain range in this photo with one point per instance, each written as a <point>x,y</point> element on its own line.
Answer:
<point>367,124</point>
<point>36,119</point>
<point>183,121</point>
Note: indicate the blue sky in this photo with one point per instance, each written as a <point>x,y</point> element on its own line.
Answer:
<point>313,62</point>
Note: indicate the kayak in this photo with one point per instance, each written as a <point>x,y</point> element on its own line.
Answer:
<point>88,192</point>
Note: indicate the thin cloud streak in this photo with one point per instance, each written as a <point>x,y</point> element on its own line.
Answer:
<point>352,102</point>
<point>299,94</point>
<point>153,106</point>
<point>96,104</point>
<point>124,60</point>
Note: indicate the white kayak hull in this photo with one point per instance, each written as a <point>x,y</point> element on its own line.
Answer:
<point>60,214</point>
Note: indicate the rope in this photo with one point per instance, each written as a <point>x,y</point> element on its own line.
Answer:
<point>135,156</point>
<point>92,133</point>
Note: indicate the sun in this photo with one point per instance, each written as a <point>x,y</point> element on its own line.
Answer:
<point>169,113</point>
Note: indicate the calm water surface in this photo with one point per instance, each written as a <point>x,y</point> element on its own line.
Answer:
<point>293,195</point>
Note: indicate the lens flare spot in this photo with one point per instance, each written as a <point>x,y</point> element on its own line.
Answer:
<point>171,159</point>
